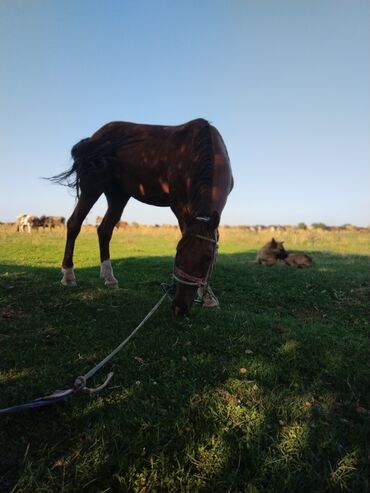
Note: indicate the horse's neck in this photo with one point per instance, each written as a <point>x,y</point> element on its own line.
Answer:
<point>222,180</point>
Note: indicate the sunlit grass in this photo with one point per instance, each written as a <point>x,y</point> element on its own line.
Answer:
<point>267,394</point>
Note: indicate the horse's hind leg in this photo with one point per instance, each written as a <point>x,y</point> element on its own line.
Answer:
<point>116,204</point>
<point>84,204</point>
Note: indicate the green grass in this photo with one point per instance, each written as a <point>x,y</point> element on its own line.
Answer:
<point>268,394</point>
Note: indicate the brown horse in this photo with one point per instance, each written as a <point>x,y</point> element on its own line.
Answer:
<point>185,167</point>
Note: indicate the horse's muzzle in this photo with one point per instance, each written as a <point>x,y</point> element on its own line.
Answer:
<point>183,300</point>
<point>179,311</point>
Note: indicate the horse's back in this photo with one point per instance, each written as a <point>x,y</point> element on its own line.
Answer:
<point>156,163</point>
<point>121,127</point>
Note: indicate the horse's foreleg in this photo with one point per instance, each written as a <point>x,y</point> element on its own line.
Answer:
<point>84,204</point>
<point>116,204</point>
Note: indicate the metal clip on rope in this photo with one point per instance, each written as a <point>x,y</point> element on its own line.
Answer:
<point>80,386</point>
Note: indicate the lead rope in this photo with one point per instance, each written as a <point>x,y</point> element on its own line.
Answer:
<point>79,386</point>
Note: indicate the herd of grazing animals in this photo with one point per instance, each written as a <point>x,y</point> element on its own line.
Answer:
<point>28,222</point>
<point>270,254</point>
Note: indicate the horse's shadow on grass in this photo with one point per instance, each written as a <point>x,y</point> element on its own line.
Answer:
<point>282,352</point>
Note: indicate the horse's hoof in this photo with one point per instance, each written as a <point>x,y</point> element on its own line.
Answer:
<point>111,285</point>
<point>70,283</point>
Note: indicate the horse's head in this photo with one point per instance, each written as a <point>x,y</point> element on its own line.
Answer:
<point>195,258</point>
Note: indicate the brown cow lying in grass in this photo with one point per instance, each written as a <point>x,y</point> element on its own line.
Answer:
<point>274,253</point>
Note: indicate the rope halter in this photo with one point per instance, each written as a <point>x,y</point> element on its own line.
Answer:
<point>183,277</point>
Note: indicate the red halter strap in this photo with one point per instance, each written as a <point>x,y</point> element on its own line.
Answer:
<point>189,280</point>
<point>184,278</point>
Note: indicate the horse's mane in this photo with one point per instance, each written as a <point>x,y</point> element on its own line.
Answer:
<point>202,169</point>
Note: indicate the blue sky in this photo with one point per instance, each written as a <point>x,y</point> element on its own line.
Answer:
<point>286,83</point>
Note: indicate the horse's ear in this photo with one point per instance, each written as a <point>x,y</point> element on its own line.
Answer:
<point>215,219</point>
<point>273,242</point>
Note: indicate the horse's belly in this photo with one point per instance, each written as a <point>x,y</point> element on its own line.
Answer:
<point>160,201</point>
<point>153,195</point>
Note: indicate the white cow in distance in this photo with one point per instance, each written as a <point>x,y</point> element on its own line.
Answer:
<point>26,221</point>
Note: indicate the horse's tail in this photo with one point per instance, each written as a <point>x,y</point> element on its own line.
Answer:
<point>71,177</point>
<point>90,157</point>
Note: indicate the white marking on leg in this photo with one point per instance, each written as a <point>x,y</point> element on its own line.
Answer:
<point>69,278</point>
<point>106,272</point>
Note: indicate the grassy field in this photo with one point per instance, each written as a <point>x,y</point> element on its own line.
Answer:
<point>271,393</point>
